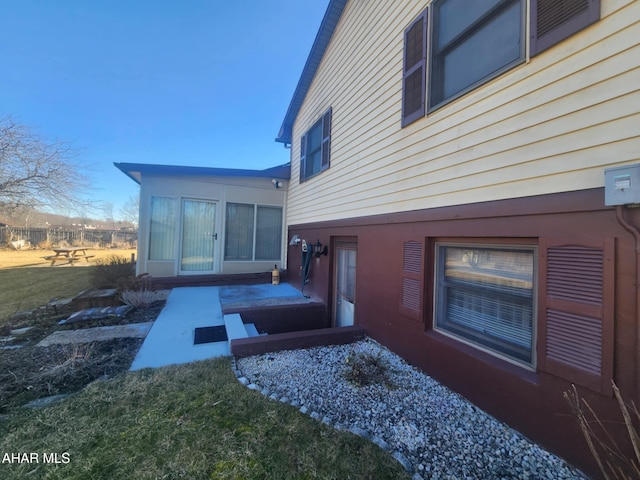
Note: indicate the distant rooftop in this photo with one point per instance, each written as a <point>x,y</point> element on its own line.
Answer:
<point>136,170</point>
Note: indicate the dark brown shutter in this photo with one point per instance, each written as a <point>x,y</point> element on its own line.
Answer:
<point>411,293</point>
<point>554,20</point>
<point>414,70</point>
<point>303,157</point>
<point>326,140</point>
<point>576,311</point>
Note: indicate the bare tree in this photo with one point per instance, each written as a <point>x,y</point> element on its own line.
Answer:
<point>107,209</point>
<point>130,210</point>
<point>36,172</point>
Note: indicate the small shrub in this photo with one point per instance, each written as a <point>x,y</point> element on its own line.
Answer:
<point>111,272</point>
<point>45,245</point>
<point>365,369</point>
<point>140,298</point>
<point>138,291</point>
<point>5,237</point>
<point>138,283</point>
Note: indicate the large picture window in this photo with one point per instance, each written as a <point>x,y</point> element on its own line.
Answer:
<point>162,228</point>
<point>253,232</point>
<point>485,297</point>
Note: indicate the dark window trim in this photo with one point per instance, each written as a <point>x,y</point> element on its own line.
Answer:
<point>576,21</point>
<point>413,261</point>
<point>605,313</point>
<point>573,25</point>
<point>475,27</point>
<point>324,121</point>
<point>409,70</point>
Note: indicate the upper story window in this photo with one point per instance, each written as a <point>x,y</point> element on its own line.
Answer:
<point>473,42</point>
<point>454,46</point>
<point>315,148</point>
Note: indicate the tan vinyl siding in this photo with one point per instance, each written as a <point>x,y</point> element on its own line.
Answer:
<point>550,125</point>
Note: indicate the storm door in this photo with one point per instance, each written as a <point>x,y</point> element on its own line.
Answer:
<point>344,283</point>
<point>198,237</point>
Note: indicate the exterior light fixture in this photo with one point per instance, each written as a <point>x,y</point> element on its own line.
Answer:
<point>276,183</point>
<point>319,249</point>
<point>295,240</point>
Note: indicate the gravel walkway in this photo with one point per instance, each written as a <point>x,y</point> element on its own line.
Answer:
<point>445,437</point>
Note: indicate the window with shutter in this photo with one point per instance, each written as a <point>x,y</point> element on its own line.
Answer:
<point>315,148</point>
<point>554,20</point>
<point>484,297</point>
<point>576,311</point>
<point>326,140</point>
<point>414,71</point>
<point>303,157</point>
<point>411,295</point>
<point>473,42</point>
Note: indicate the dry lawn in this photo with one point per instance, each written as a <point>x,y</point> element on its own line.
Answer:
<point>33,258</point>
<point>27,281</point>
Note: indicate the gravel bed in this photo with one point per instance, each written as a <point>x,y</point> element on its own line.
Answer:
<point>433,432</point>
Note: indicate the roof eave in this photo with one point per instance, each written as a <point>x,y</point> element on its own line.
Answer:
<point>320,44</point>
<point>129,173</point>
<point>136,170</point>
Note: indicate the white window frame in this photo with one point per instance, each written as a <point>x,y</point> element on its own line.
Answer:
<point>173,241</point>
<point>256,207</point>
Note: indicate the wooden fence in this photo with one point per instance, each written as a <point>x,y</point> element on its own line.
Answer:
<point>58,237</point>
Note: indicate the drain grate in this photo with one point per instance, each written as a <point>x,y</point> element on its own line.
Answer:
<point>210,335</point>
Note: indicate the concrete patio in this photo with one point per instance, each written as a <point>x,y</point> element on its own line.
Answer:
<point>171,339</point>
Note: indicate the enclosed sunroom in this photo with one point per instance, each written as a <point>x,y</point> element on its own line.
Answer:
<point>203,221</point>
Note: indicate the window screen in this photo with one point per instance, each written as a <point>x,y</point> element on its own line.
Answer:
<point>238,243</point>
<point>162,228</point>
<point>472,43</point>
<point>485,296</point>
<point>268,233</point>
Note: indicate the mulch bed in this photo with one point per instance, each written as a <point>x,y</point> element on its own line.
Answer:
<point>33,372</point>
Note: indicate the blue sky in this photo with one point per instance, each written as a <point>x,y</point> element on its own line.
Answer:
<point>180,82</point>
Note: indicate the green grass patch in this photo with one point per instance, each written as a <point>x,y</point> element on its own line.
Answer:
<point>190,421</point>
<point>24,288</point>
<point>27,281</point>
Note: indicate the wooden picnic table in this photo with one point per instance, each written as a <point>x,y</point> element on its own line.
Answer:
<point>68,255</point>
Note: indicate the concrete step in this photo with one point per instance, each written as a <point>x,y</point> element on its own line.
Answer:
<point>234,327</point>
<point>251,329</point>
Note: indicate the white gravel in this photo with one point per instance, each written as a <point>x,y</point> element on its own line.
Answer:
<point>433,432</point>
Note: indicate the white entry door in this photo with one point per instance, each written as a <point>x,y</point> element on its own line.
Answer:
<point>345,284</point>
<point>198,237</point>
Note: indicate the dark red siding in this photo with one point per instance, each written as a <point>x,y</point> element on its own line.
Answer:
<point>602,253</point>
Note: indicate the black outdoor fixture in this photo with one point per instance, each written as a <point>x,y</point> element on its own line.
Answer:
<point>319,249</point>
